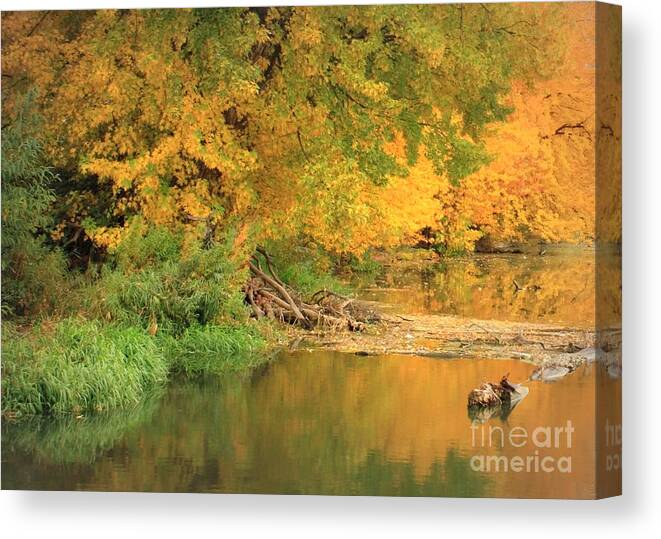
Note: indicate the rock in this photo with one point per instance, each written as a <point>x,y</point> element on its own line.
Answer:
<point>550,373</point>
<point>518,395</point>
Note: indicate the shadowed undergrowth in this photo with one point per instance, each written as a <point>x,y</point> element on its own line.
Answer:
<point>160,308</point>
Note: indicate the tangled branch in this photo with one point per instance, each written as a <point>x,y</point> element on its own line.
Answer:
<point>268,296</point>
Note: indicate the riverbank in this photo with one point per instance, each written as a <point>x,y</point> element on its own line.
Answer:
<point>141,323</point>
<point>452,337</point>
<point>77,366</point>
<point>157,307</point>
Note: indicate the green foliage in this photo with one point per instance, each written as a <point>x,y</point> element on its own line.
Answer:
<point>365,265</point>
<point>466,158</point>
<point>158,306</point>
<point>139,251</point>
<point>215,349</point>
<point>33,274</point>
<point>305,277</point>
<point>158,285</point>
<point>35,280</point>
<point>79,366</point>
<point>306,269</point>
<point>26,182</point>
<point>449,250</point>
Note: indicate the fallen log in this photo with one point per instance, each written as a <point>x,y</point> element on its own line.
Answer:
<point>490,399</point>
<point>491,394</point>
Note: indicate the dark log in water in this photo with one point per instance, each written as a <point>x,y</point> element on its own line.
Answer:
<point>492,399</point>
<point>492,394</point>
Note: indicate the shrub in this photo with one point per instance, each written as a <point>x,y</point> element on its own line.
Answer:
<point>158,286</point>
<point>33,273</point>
<point>140,250</point>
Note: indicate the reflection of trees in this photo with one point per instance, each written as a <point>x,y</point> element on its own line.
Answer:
<point>68,453</point>
<point>451,476</point>
<point>334,425</point>
<point>558,288</point>
<point>325,423</point>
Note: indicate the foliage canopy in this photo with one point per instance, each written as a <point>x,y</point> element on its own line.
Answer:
<point>289,120</point>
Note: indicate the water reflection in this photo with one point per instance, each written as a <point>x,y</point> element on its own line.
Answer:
<point>557,288</point>
<point>316,423</point>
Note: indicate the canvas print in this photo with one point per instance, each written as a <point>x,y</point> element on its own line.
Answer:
<point>345,250</point>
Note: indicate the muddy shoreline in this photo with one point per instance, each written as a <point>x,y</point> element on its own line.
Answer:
<point>450,337</point>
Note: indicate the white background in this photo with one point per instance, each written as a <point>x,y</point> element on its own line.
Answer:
<point>71,515</point>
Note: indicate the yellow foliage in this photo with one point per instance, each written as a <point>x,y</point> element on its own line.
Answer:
<point>280,122</point>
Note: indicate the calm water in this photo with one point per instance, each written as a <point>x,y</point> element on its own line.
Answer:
<point>330,423</point>
<point>315,423</point>
<point>559,287</point>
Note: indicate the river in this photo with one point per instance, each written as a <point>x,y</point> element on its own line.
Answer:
<point>330,423</point>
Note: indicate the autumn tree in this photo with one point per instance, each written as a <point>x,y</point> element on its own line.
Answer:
<point>278,120</point>
<point>541,180</point>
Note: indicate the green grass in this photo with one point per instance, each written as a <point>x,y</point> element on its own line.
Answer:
<point>215,349</point>
<point>155,308</point>
<point>83,366</point>
<point>79,366</point>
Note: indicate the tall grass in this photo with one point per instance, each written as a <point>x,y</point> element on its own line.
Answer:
<point>157,307</point>
<point>79,366</point>
<point>215,349</point>
<point>87,366</point>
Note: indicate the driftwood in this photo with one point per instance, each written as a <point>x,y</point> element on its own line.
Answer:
<point>494,399</point>
<point>268,296</point>
<point>491,394</point>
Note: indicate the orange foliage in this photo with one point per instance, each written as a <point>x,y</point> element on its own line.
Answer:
<point>541,180</point>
